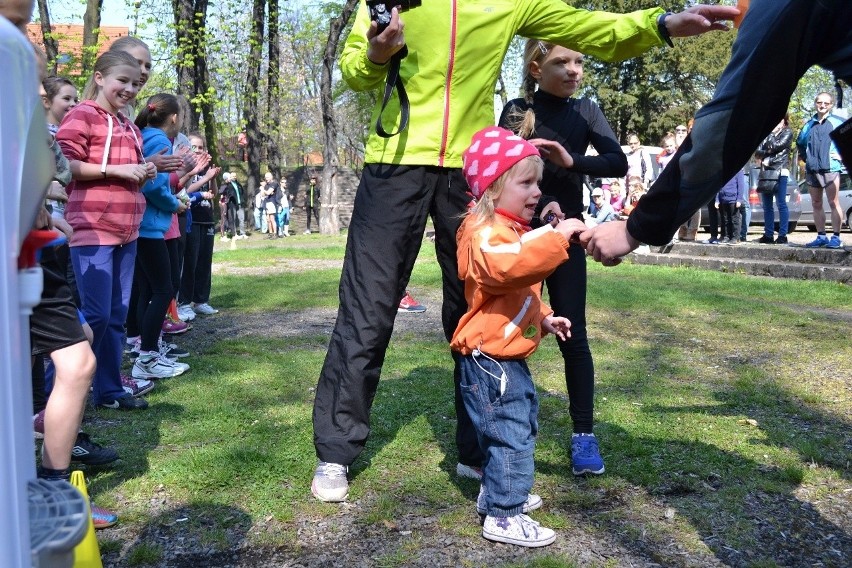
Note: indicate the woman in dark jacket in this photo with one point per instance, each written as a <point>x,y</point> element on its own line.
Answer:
<point>774,153</point>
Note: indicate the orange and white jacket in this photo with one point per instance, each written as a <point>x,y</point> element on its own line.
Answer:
<point>502,265</point>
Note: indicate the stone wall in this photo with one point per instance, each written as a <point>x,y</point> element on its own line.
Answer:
<point>297,186</point>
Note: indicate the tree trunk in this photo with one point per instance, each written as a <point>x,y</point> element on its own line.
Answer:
<point>273,92</point>
<point>50,46</point>
<point>192,73</point>
<point>91,30</point>
<point>250,111</point>
<point>329,208</point>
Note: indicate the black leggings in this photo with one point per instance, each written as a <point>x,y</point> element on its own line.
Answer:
<point>152,282</point>
<point>567,290</point>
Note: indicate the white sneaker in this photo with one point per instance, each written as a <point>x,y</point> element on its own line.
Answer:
<point>519,530</point>
<point>152,365</point>
<point>330,483</point>
<point>185,312</point>
<point>205,309</point>
<point>532,503</point>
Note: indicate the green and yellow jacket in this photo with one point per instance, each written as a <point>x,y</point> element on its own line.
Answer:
<point>456,48</point>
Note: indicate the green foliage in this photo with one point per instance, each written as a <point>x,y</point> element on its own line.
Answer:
<point>651,94</point>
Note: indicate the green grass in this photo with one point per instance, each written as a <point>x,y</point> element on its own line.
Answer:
<point>710,393</point>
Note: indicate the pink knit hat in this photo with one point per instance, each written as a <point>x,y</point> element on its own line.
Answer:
<point>493,150</point>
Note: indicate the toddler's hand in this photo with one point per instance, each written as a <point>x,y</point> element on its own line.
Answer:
<point>558,326</point>
<point>570,229</point>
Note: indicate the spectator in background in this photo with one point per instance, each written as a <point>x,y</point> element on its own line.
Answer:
<point>669,148</point>
<point>311,204</point>
<point>680,132</point>
<point>617,195</point>
<point>639,161</point>
<point>822,169</point>
<point>236,205</point>
<point>259,210</point>
<point>774,154</point>
<point>689,230</point>
<point>729,201</point>
<point>272,198</point>
<point>599,210</point>
<point>635,192</point>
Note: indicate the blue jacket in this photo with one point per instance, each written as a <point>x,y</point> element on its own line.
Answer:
<point>833,154</point>
<point>734,190</point>
<point>160,201</point>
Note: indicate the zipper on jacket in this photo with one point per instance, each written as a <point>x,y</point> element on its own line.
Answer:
<point>452,58</point>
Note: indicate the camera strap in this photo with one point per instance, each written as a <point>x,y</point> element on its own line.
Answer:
<point>394,80</point>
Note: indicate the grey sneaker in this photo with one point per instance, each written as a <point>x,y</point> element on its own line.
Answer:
<point>469,471</point>
<point>519,530</point>
<point>330,483</point>
<point>532,503</point>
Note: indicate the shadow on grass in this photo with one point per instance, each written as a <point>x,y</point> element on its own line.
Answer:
<point>199,533</point>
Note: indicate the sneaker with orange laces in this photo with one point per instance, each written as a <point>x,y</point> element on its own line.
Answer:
<point>410,305</point>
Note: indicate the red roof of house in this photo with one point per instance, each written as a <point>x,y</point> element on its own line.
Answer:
<point>70,40</point>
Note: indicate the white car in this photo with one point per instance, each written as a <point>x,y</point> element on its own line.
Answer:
<point>807,216</point>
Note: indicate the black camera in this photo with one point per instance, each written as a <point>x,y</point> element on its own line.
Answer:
<point>380,10</point>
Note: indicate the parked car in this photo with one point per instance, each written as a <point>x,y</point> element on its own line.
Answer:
<point>807,217</point>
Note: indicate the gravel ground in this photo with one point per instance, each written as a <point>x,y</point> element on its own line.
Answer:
<point>821,533</point>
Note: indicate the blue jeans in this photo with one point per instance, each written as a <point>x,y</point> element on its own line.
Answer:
<point>283,218</point>
<point>745,219</point>
<point>104,278</point>
<point>780,196</point>
<point>780,39</point>
<point>506,426</point>
<point>259,220</point>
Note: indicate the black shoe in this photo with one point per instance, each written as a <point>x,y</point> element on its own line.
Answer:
<point>781,240</point>
<point>88,452</point>
<point>126,402</point>
<point>767,240</point>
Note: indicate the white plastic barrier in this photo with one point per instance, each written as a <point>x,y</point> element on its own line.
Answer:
<point>26,168</point>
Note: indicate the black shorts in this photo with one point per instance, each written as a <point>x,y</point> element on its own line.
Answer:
<point>54,323</point>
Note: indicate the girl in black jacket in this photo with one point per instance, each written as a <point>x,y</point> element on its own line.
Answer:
<point>552,113</point>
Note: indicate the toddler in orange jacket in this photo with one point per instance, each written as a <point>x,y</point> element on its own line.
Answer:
<point>503,262</point>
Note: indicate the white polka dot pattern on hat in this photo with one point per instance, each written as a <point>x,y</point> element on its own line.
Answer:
<point>492,152</point>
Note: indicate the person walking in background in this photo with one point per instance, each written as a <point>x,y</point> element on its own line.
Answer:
<point>728,202</point>
<point>504,323</point>
<point>284,211</point>
<point>311,204</point>
<point>822,169</point>
<point>418,174</point>
<point>236,205</point>
<point>774,155</point>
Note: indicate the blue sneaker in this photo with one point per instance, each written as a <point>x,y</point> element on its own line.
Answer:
<point>818,242</point>
<point>585,457</point>
<point>834,242</point>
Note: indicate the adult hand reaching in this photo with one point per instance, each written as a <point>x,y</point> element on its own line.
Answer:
<point>700,19</point>
<point>607,243</point>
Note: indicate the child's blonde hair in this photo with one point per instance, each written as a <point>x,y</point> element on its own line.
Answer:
<point>483,210</point>
<point>523,122</point>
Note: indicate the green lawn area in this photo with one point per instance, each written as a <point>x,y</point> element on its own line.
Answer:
<point>722,409</point>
